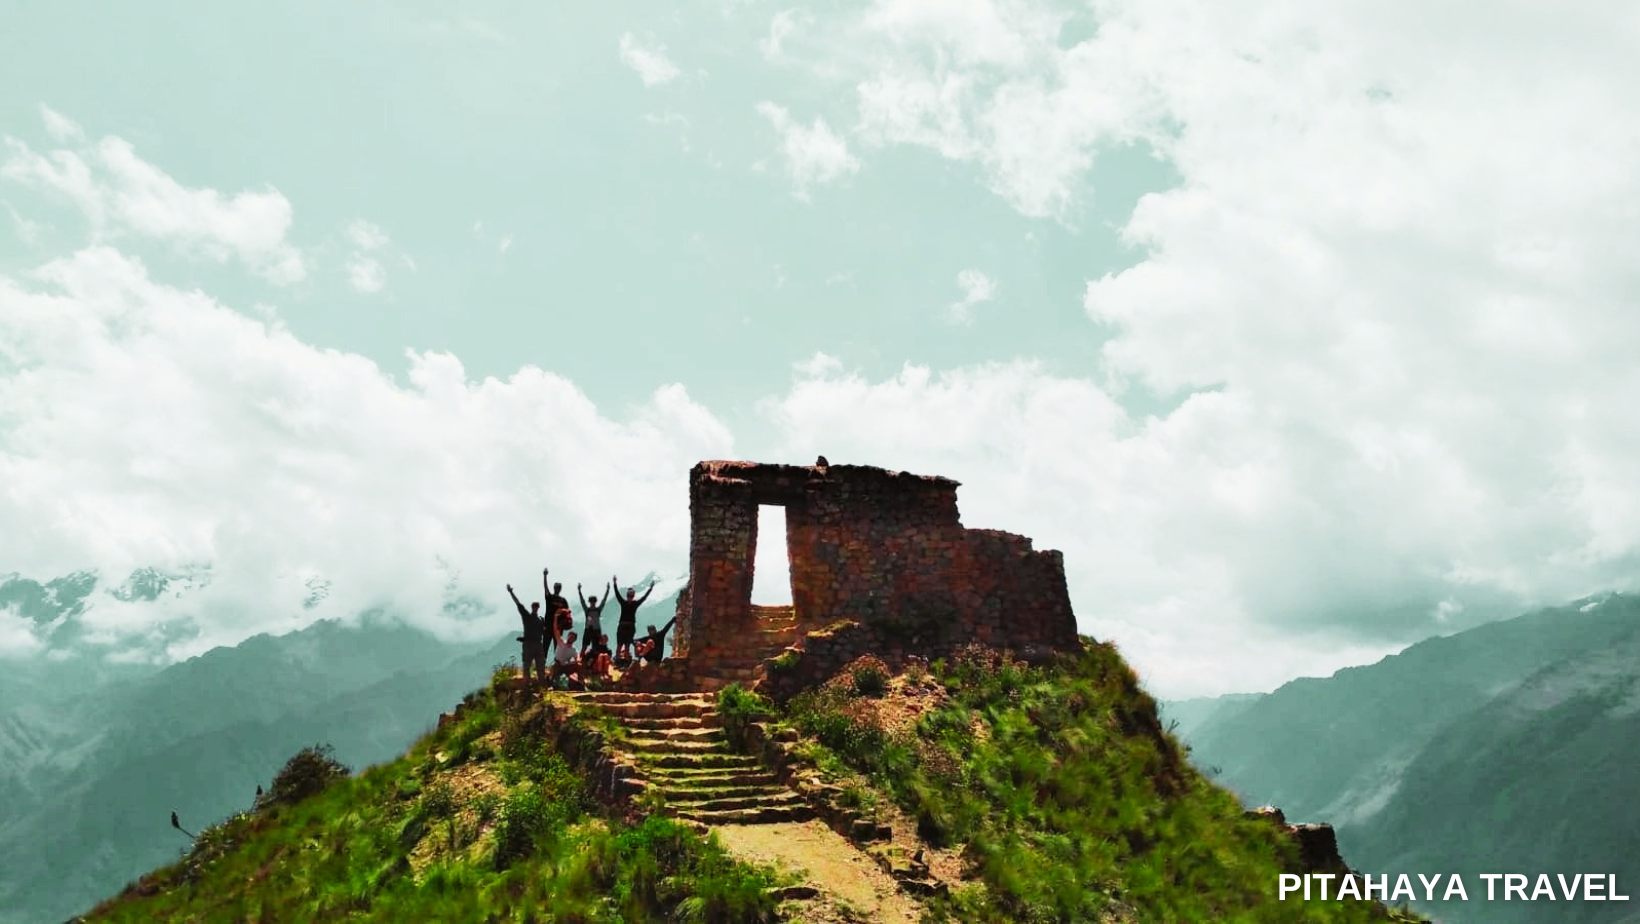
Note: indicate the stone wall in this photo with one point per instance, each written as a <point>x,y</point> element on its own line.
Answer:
<point>884,549</point>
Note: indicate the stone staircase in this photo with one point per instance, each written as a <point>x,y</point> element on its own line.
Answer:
<point>774,628</point>
<point>680,749</point>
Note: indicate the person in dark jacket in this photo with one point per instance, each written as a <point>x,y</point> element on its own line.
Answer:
<point>651,648</point>
<point>533,639</point>
<point>627,627</point>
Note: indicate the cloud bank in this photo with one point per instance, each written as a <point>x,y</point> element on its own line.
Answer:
<point>142,425</point>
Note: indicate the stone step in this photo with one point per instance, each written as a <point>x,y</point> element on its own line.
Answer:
<point>708,787</point>
<point>715,759</point>
<point>650,739</point>
<point>749,816</point>
<point>682,794</point>
<point>608,697</point>
<point>713,735</point>
<point>710,776</point>
<point>696,807</point>
<point>681,721</point>
<point>696,708</point>
<point>642,746</point>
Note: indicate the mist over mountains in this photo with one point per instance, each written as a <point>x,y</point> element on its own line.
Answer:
<point>1510,747</point>
<point>95,754</point>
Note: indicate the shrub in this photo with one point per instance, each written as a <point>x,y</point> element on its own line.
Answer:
<point>529,817</point>
<point>485,806</point>
<point>307,773</point>
<point>851,728</point>
<point>440,801</point>
<point>870,679</point>
<point>739,708</point>
<point>785,662</point>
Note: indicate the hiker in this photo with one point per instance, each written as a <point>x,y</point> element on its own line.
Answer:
<point>535,651</point>
<point>592,627</point>
<point>627,627</point>
<point>601,659</point>
<point>652,647</point>
<point>565,663</point>
<point>557,607</point>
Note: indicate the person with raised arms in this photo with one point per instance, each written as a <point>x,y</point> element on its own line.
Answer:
<point>627,628</point>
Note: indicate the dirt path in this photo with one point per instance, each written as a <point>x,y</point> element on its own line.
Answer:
<point>829,861</point>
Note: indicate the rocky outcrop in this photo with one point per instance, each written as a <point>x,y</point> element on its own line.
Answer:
<point>1317,843</point>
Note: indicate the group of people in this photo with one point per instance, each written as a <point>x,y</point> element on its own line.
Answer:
<point>553,632</point>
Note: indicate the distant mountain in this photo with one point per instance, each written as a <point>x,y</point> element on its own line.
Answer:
<point>90,778</point>
<point>1511,747</point>
<point>1545,777</point>
<point>67,666</point>
<point>1185,716</point>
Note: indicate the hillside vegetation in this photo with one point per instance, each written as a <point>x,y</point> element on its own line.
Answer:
<point>480,820</point>
<point>1057,786</point>
<point>1065,798</point>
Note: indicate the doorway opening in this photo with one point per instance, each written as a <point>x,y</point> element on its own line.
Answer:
<point>771,566</point>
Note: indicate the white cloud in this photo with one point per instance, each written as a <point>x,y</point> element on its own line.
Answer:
<point>976,288</point>
<point>1390,289</point>
<point>650,64</point>
<point>784,24</point>
<point>366,274</point>
<point>814,155</point>
<point>364,271</point>
<point>17,638</point>
<point>147,425</point>
<point>1228,546</point>
<point>366,236</point>
<point>120,193</point>
<point>505,244</point>
<point>61,128</point>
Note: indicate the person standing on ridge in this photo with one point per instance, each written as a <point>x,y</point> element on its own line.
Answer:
<point>592,624</point>
<point>627,627</point>
<point>535,651</point>
<point>557,609</point>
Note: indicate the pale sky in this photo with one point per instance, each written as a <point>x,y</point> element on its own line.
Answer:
<point>1305,331</point>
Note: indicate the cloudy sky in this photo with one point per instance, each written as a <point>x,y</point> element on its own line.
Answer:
<point>1304,330</point>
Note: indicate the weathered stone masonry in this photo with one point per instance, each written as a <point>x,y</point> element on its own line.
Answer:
<point>885,549</point>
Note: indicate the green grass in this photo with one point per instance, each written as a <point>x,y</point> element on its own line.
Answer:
<point>1062,791</point>
<point>538,850</point>
<point>1066,796</point>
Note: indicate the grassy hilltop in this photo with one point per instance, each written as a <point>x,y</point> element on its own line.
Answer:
<point>1038,794</point>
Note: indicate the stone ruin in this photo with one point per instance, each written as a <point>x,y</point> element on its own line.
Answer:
<point>880,564</point>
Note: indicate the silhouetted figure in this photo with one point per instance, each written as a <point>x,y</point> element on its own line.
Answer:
<point>652,647</point>
<point>592,626</point>
<point>821,462</point>
<point>533,639</point>
<point>178,825</point>
<point>557,608</point>
<point>627,627</point>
